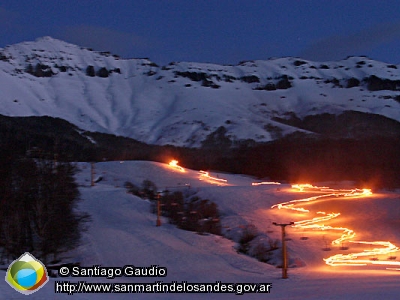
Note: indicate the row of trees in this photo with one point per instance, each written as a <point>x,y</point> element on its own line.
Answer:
<point>189,212</point>
<point>37,208</point>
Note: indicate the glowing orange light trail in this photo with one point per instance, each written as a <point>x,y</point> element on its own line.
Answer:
<point>352,259</point>
<point>206,176</point>
<point>266,182</point>
<point>174,164</point>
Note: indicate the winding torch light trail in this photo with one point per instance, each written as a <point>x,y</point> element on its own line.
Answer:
<point>351,259</point>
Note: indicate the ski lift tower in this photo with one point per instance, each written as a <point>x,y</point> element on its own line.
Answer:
<point>284,252</point>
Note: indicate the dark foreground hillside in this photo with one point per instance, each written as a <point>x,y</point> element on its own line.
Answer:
<point>371,159</point>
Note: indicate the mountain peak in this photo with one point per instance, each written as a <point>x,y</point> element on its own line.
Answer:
<point>46,43</point>
<point>48,39</point>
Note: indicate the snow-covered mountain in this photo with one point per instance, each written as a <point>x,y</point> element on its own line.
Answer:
<point>182,103</point>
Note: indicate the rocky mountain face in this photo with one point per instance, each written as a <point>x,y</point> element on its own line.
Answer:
<point>190,104</point>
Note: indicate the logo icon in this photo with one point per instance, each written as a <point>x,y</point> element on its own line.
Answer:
<point>27,274</point>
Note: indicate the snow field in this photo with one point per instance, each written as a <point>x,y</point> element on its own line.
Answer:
<point>123,232</point>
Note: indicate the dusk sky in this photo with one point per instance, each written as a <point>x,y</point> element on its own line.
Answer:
<point>219,31</point>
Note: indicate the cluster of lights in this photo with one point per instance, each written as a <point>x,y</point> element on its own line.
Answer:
<point>352,259</point>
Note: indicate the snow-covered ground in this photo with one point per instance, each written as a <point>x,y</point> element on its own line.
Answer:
<point>123,232</point>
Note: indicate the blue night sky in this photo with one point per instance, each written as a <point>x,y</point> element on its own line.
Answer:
<point>218,31</point>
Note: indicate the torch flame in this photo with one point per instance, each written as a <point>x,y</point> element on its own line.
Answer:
<point>174,164</point>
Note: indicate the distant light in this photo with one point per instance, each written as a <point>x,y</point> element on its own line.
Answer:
<point>266,183</point>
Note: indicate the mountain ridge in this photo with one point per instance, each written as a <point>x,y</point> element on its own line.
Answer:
<point>183,103</point>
